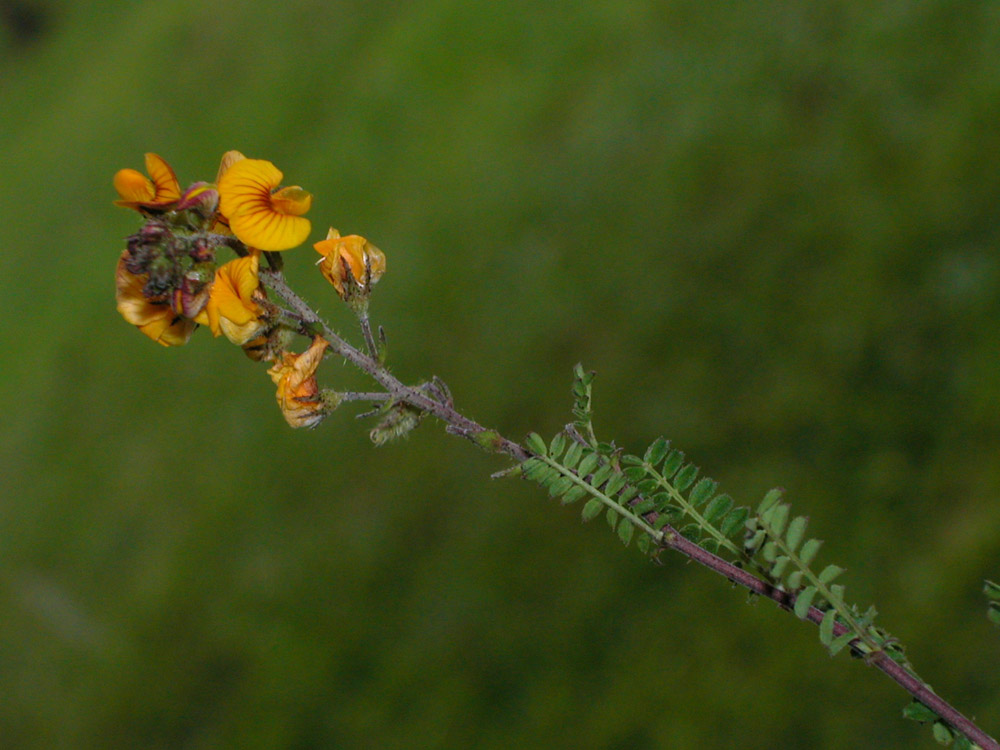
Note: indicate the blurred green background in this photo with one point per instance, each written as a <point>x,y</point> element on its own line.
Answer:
<point>771,229</point>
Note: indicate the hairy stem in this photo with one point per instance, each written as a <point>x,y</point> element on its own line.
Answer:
<point>667,537</point>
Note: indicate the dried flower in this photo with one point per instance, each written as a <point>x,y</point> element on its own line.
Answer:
<point>299,397</point>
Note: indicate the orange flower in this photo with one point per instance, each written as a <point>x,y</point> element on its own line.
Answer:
<point>138,191</point>
<point>259,215</point>
<point>298,395</point>
<point>232,308</point>
<point>351,252</point>
<point>158,320</point>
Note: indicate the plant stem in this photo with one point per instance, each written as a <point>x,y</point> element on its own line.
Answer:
<point>668,536</point>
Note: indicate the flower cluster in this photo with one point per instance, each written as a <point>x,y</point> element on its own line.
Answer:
<point>169,282</point>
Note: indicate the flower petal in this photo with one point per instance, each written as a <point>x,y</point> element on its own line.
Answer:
<point>245,200</point>
<point>133,186</point>
<point>168,189</point>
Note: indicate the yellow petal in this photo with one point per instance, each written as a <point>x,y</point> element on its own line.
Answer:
<point>168,189</point>
<point>228,159</point>
<point>133,186</point>
<point>292,200</point>
<point>158,321</point>
<point>245,200</point>
<point>231,309</point>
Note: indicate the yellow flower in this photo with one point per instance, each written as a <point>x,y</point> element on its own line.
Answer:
<point>298,395</point>
<point>158,320</point>
<point>258,215</point>
<point>351,252</point>
<point>232,308</point>
<point>138,191</point>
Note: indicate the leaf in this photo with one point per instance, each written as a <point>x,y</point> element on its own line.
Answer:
<point>772,497</point>
<point>601,475</point>
<point>702,491</point>
<point>685,477</point>
<point>776,518</point>
<point>752,544</point>
<point>778,569</point>
<point>574,494</point>
<point>993,613</point>
<point>643,543</point>
<point>838,643</point>
<point>826,627</point>
<point>629,460</point>
<point>656,451</point>
<point>591,509</point>
<point>963,743</point>
<point>917,711</point>
<point>572,455</point>
<point>796,530</point>
<point>991,589</point>
<point>795,580</point>
<point>804,601</point>
<point>836,594</point>
<point>588,464</point>
<point>557,446</point>
<point>735,521</point>
<point>942,733</point>
<point>614,485</point>
<point>625,532</point>
<point>770,552</point>
<point>829,573</point>
<point>672,463</point>
<point>612,517</point>
<point>643,506</point>
<point>627,494</point>
<point>560,487</point>
<point>634,473</point>
<point>809,550</point>
<point>536,445</point>
<point>716,509</point>
<point>647,486</point>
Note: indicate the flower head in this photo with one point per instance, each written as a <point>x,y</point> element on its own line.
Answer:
<point>233,305</point>
<point>138,191</point>
<point>298,395</point>
<point>350,257</point>
<point>258,214</point>
<point>156,319</point>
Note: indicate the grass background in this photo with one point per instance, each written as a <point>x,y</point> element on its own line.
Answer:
<point>771,230</point>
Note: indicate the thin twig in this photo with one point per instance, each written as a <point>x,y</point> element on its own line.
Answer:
<point>459,424</point>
